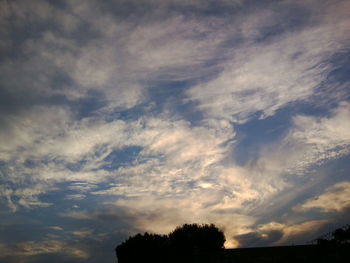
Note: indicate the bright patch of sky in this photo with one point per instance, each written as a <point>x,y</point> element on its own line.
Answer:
<point>118,117</point>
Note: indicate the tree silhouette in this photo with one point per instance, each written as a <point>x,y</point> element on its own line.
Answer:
<point>192,237</point>
<point>143,248</point>
<point>181,245</point>
<point>339,236</point>
<point>342,236</point>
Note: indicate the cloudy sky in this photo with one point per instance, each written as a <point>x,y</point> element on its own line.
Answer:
<point>125,116</point>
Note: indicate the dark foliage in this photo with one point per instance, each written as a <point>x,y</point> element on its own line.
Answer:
<point>339,236</point>
<point>192,237</point>
<point>181,245</point>
<point>193,243</point>
<point>149,247</point>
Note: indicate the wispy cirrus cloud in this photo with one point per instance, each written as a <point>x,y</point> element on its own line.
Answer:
<point>134,107</point>
<point>30,249</point>
<point>265,76</point>
<point>275,233</point>
<point>311,141</point>
<point>334,199</point>
<point>168,148</point>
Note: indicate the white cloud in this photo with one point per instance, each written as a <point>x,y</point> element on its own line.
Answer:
<point>276,233</point>
<point>171,151</point>
<point>32,248</point>
<point>128,56</point>
<point>233,190</point>
<point>82,187</point>
<point>56,228</point>
<point>27,196</point>
<point>181,173</point>
<point>51,132</point>
<point>23,130</point>
<point>179,166</point>
<point>262,77</point>
<point>82,233</point>
<point>6,193</point>
<point>334,199</point>
<point>122,62</point>
<point>75,197</point>
<point>312,141</point>
<point>175,49</point>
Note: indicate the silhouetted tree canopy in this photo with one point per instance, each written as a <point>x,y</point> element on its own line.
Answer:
<point>342,236</point>
<point>193,243</point>
<point>179,246</point>
<point>143,247</point>
<point>191,237</point>
<point>339,236</point>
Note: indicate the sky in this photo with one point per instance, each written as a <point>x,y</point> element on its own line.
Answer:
<point>127,116</point>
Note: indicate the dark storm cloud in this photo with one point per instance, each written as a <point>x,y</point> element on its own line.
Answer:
<point>258,239</point>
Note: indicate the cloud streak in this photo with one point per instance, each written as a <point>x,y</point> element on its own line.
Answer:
<point>334,199</point>
<point>265,76</point>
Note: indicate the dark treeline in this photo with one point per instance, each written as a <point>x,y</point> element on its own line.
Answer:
<point>184,244</point>
<point>338,237</point>
<point>193,243</point>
